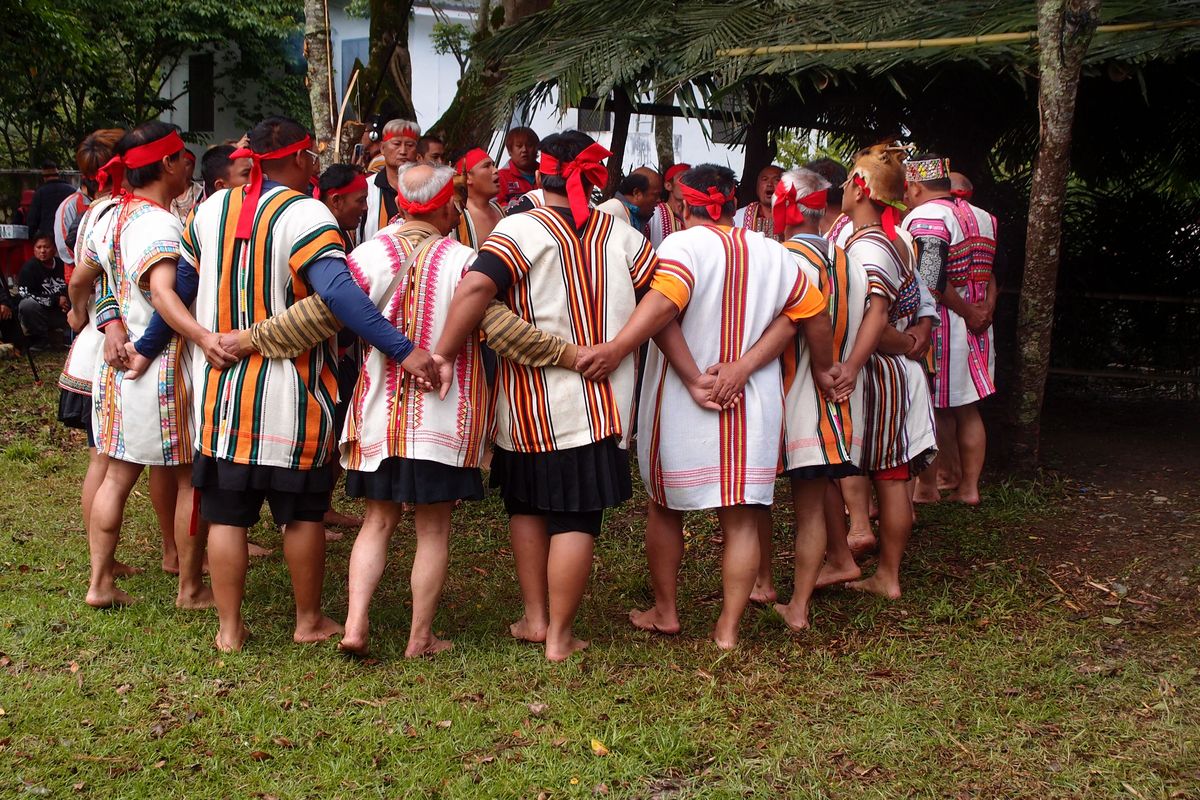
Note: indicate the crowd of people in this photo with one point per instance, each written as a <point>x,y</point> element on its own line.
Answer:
<point>433,316</point>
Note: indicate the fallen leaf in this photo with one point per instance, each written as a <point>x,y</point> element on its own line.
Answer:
<point>574,780</point>
<point>600,789</point>
<point>74,667</point>
<point>5,661</point>
<point>283,741</point>
<point>559,742</point>
<point>410,731</point>
<point>162,762</point>
<point>79,787</point>
<point>1112,620</point>
<point>444,724</point>
<point>260,755</point>
<point>598,748</point>
<point>124,688</point>
<point>537,709</point>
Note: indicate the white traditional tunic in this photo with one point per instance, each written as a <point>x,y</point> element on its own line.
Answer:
<point>965,362</point>
<point>80,367</point>
<point>274,412</point>
<point>819,433</point>
<point>467,230</point>
<point>663,223</point>
<point>897,412</point>
<point>144,420</point>
<point>615,207</point>
<point>389,416</point>
<point>381,206</point>
<point>730,285</point>
<point>753,216</point>
<point>578,286</point>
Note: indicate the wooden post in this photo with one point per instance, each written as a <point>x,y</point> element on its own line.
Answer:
<point>760,148</point>
<point>1065,29</point>
<point>664,132</point>
<point>316,52</point>
<point>387,82</point>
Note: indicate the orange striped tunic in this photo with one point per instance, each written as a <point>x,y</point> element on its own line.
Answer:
<point>272,412</point>
<point>579,286</point>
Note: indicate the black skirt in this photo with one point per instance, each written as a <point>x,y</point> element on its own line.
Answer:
<point>588,478</point>
<point>347,373</point>
<point>815,471</point>
<point>75,410</point>
<point>209,472</point>
<point>412,480</point>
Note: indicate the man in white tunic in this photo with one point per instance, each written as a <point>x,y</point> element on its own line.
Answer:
<point>739,295</point>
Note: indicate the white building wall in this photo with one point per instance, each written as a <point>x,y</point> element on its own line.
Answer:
<point>435,80</point>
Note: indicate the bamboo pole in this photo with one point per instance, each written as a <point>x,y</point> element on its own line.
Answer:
<point>948,41</point>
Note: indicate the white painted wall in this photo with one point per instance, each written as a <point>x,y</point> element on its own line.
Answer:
<point>435,79</point>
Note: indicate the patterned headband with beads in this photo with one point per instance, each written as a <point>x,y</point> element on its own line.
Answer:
<point>930,169</point>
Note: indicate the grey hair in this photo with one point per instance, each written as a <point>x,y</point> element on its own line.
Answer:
<point>805,182</point>
<point>423,191</point>
<point>397,125</point>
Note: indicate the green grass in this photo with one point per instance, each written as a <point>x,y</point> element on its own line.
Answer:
<point>977,683</point>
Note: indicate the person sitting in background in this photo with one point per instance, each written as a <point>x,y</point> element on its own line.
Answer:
<point>219,171</point>
<point>43,289</point>
<point>431,150</point>
<point>10,330</point>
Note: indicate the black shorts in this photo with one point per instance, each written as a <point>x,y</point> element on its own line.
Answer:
<point>559,521</point>
<point>233,494</point>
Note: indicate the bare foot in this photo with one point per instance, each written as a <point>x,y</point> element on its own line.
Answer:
<point>231,641</point>
<point>426,646</point>
<point>319,631</point>
<point>339,520</point>
<point>861,543</point>
<point>258,551</point>
<point>763,593</point>
<point>724,641</point>
<point>947,482</point>
<point>196,600</point>
<point>563,651</point>
<point>795,615</point>
<point>831,575</point>
<point>969,498</point>
<point>108,599</point>
<point>332,535</point>
<point>877,584</point>
<point>655,621</point>
<point>354,642</point>
<point>170,565</point>
<point>925,495</point>
<point>526,631</point>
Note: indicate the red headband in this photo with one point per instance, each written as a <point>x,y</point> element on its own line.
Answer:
<point>113,173</point>
<point>965,194</point>
<point>787,209</point>
<point>470,161</point>
<point>357,184</point>
<point>672,171</point>
<point>437,201</point>
<point>714,201</point>
<point>890,217</point>
<point>405,131</point>
<point>586,165</point>
<point>245,224</point>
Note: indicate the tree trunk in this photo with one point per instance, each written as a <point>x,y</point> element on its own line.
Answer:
<point>622,110</point>
<point>664,133</point>
<point>387,80</point>
<point>1065,29</point>
<point>462,124</point>
<point>760,149</point>
<point>316,52</point>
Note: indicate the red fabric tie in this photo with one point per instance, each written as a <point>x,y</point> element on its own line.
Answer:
<point>357,184</point>
<point>713,202</point>
<point>113,173</point>
<point>963,194</point>
<point>470,161</point>
<point>890,217</point>
<point>245,225</point>
<point>407,133</point>
<point>677,169</point>
<point>586,165</point>
<point>787,208</point>
<point>437,201</point>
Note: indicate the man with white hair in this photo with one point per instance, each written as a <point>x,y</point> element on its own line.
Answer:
<point>822,439</point>
<point>398,147</point>
<point>401,445</point>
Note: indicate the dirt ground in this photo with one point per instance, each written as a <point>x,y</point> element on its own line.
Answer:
<point>1129,538</point>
